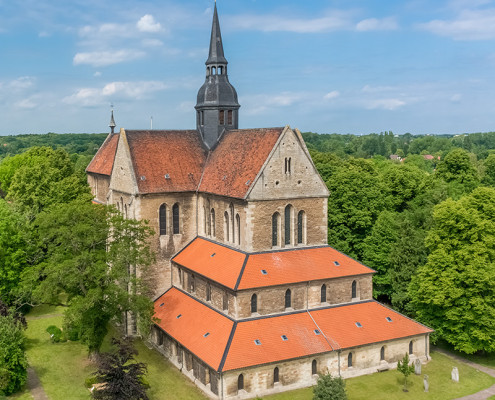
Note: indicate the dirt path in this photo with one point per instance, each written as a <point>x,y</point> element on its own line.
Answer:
<point>34,386</point>
<point>483,394</point>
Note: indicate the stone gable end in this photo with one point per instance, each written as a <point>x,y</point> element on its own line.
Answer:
<point>288,173</point>
<point>123,178</point>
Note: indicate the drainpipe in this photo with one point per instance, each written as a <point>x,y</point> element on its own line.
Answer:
<point>338,353</point>
<point>221,385</point>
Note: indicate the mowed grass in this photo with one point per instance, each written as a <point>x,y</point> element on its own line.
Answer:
<point>486,359</point>
<point>388,385</point>
<point>63,367</point>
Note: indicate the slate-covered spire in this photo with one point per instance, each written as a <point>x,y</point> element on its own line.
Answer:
<point>112,124</point>
<point>216,55</point>
<point>217,107</point>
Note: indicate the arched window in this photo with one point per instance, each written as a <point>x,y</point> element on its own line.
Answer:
<point>354,289</point>
<point>212,222</point>
<point>349,360</point>
<point>192,283</point>
<point>229,117</point>
<point>288,298</point>
<point>175,218</point>
<point>411,347</point>
<point>314,367</point>
<point>208,292</point>
<point>220,70</point>
<point>287,223</point>
<point>275,375</point>
<point>221,117</point>
<point>275,223</point>
<point>300,227</point>
<point>238,226</point>
<point>254,303</point>
<point>240,382</point>
<point>213,70</point>
<point>287,165</point>
<point>382,353</point>
<point>226,226</point>
<point>323,293</point>
<point>163,219</point>
<point>232,223</point>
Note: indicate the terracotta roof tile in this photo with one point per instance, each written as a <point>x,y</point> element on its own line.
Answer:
<point>298,265</point>
<point>337,327</point>
<point>195,321</point>
<point>301,341</point>
<point>102,162</point>
<point>157,154</point>
<point>219,263</point>
<point>340,324</point>
<point>279,267</point>
<point>235,162</point>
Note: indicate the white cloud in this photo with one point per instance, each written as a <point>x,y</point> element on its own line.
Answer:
<point>273,23</point>
<point>21,83</point>
<point>152,43</point>
<point>469,25</point>
<point>104,58</point>
<point>374,24</point>
<point>147,23</point>
<point>384,104</point>
<point>332,95</point>
<point>258,104</point>
<point>28,103</point>
<point>97,74</point>
<point>124,90</point>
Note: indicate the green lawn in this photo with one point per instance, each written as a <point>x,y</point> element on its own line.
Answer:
<point>487,359</point>
<point>63,367</point>
<point>388,385</point>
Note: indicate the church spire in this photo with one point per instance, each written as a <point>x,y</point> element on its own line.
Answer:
<point>216,55</point>
<point>112,124</point>
<point>217,106</point>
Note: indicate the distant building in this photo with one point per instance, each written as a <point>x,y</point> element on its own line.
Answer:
<point>250,299</point>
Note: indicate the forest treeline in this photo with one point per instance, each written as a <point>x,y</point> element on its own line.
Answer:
<point>424,221</point>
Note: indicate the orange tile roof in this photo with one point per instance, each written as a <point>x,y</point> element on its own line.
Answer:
<point>301,341</point>
<point>340,324</point>
<point>233,344</point>
<point>219,263</point>
<point>281,267</point>
<point>298,265</point>
<point>235,162</point>
<point>195,321</point>
<point>102,162</point>
<point>155,154</point>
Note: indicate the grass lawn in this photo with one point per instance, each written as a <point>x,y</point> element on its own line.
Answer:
<point>388,385</point>
<point>63,367</point>
<point>487,359</point>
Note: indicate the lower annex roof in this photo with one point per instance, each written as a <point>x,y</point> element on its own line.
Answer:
<point>231,345</point>
<point>237,270</point>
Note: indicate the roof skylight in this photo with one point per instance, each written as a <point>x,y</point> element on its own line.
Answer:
<point>264,272</point>
<point>206,334</point>
<point>358,324</point>
<point>336,263</point>
<point>161,305</point>
<point>178,316</point>
<point>389,319</point>
<point>317,332</point>
<point>257,342</point>
<point>284,338</point>
<point>213,255</point>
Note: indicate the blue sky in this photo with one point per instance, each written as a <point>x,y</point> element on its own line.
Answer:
<point>326,66</point>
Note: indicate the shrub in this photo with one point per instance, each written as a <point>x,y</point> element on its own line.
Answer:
<point>329,388</point>
<point>56,334</point>
<point>13,362</point>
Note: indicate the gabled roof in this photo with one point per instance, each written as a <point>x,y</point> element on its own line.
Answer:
<point>234,164</point>
<point>102,162</point>
<point>166,161</point>
<point>232,345</point>
<point>238,270</point>
<point>194,322</point>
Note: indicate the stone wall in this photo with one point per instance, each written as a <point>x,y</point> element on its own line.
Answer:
<point>99,185</point>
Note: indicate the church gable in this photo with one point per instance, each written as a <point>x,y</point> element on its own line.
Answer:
<point>102,162</point>
<point>123,178</point>
<point>288,172</point>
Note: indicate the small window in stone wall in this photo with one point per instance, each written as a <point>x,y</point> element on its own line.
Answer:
<point>287,223</point>
<point>225,302</point>
<point>212,222</point>
<point>275,375</point>
<point>288,298</point>
<point>314,367</point>
<point>382,353</point>
<point>175,218</point>
<point>240,382</point>
<point>354,289</point>
<point>254,303</point>
<point>411,347</point>
<point>323,294</point>
<point>226,226</point>
<point>208,292</point>
<point>349,360</point>
<point>300,227</point>
<point>163,219</point>
<point>275,220</point>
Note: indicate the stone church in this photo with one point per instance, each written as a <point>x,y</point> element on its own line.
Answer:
<point>250,299</point>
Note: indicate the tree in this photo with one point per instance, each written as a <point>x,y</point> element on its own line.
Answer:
<point>41,177</point>
<point>13,251</point>
<point>13,362</point>
<point>489,176</point>
<point>329,388</point>
<point>405,369</point>
<point>121,376</point>
<point>454,291</point>
<point>93,256</point>
<point>457,167</point>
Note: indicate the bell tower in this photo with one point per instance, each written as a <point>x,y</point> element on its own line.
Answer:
<point>217,107</point>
